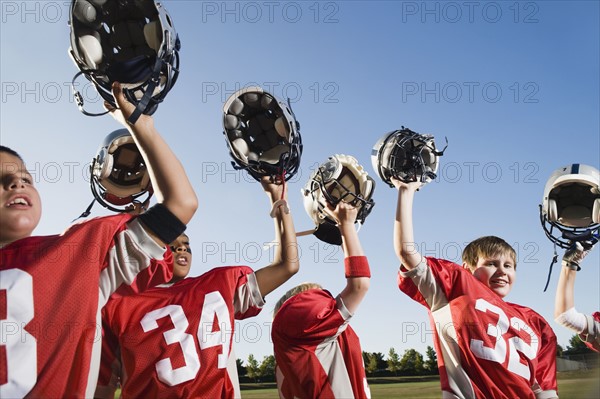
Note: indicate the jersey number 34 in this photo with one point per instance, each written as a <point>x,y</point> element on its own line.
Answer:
<point>214,306</point>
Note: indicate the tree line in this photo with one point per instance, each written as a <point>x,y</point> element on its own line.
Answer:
<point>411,363</point>
<point>376,364</point>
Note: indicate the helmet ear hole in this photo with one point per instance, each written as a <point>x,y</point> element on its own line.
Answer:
<point>596,211</point>
<point>552,211</point>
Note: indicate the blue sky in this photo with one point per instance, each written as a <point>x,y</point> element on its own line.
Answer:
<point>514,86</point>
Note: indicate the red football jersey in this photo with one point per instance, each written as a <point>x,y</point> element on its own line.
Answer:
<point>592,338</point>
<point>175,340</point>
<point>111,369</point>
<point>487,348</point>
<point>318,354</point>
<point>51,292</point>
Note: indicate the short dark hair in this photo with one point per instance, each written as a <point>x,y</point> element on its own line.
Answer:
<point>10,151</point>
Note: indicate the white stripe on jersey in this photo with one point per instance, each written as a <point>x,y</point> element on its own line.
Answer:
<point>133,251</point>
<point>92,379</point>
<point>331,358</point>
<point>232,374</point>
<point>247,298</point>
<point>423,278</point>
<point>458,379</point>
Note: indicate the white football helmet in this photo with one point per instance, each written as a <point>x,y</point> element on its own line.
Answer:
<point>128,41</point>
<point>571,205</point>
<point>262,133</point>
<point>406,156</point>
<point>340,178</point>
<point>119,175</point>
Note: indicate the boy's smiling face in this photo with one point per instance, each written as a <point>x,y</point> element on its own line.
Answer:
<point>497,272</point>
<point>19,199</point>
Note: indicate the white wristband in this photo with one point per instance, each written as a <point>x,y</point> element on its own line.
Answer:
<point>280,203</point>
<point>573,320</point>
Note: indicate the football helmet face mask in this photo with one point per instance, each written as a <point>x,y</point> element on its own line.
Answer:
<point>262,134</point>
<point>340,178</point>
<point>119,176</point>
<point>570,210</point>
<point>128,41</point>
<point>406,156</point>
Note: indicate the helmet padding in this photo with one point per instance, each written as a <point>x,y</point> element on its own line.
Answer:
<point>570,210</point>
<point>129,41</point>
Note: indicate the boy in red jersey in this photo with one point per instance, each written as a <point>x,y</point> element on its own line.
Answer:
<point>111,367</point>
<point>587,326</point>
<point>175,339</point>
<point>52,287</point>
<point>487,348</point>
<point>318,354</point>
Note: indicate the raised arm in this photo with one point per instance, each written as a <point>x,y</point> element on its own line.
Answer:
<point>358,275</point>
<point>404,241</point>
<point>286,261</point>
<point>169,180</point>
<point>564,302</point>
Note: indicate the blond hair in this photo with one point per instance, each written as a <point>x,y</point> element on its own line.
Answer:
<point>294,291</point>
<point>484,247</point>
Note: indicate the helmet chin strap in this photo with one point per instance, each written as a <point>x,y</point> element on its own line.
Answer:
<point>152,84</point>
<point>79,98</point>
<point>282,177</point>
<point>554,260</point>
<point>143,103</point>
<point>87,212</point>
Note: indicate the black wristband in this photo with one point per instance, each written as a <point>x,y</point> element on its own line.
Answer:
<point>573,266</point>
<point>160,221</point>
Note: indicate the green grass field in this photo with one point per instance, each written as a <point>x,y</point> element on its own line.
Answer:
<point>571,385</point>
